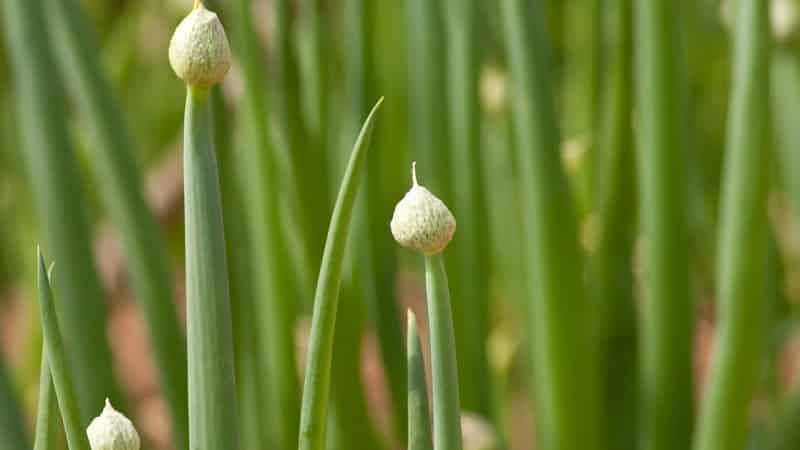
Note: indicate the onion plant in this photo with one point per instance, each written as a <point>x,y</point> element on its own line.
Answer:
<point>743,239</point>
<point>419,425</point>
<point>667,314</point>
<point>200,56</point>
<point>56,352</point>
<point>316,388</point>
<point>423,223</point>
<point>47,409</point>
<point>561,355</point>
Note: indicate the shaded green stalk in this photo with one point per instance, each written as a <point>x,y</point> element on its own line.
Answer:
<point>121,186</point>
<point>307,164</point>
<point>787,433</point>
<point>667,313</point>
<point>741,256</point>
<point>212,393</point>
<point>275,303</point>
<point>316,390</point>
<point>562,363</point>
<point>444,369</point>
<point>419,419</point>
<point>377,267</point>
<point>12,425</point>
<point>613,261</point>
<point>59,201</point>
<point>47,415</point>
<point>59,370</point>
<point>470,252</point>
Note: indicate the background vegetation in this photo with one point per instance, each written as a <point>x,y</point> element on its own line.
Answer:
<point>625,175</point>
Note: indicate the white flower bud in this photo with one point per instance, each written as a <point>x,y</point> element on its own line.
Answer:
<point>112,431</point>
<point>421,221</point>
<point>199,52</point>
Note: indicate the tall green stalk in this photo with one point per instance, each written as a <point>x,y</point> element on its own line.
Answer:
<point>12,425</point>
<point>59,201</point>
<point>57,358</point>
<point>121,187</point>
<point>667,315</point>
<point>444,369</point>
<point>563,375</point>
<point>275,300</point>
<point>470,253</point>
<point>316,389</point>
<point>419,420</point>
<point>212,394</point>
<point>613,261</point>
<point>741,258</point>
<point>47,414</point>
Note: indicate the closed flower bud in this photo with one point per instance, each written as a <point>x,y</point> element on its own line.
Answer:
<point>112,431</point>
<point>199,52</point>
<point>421,221</point>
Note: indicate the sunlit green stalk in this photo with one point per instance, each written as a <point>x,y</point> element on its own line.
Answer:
<point>47,413</point>
<point>667,313</point>
<point>470,254</point>
<point>276,301</point>
<point>419,419</point>
<point>12,427</point>
<point>56,355</point>
<point>212,395</point>
<point>316,389</point>
<point>613,261</point>
<point>562,363</point>
<point>444,371</point>
<point>121,186</point>
<point>59,201</point>
<point>742,312</point>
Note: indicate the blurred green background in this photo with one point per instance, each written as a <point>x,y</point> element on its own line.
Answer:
<point>323,63</point>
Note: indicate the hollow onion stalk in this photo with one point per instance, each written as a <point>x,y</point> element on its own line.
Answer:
<point>56,356</point>
<point>419,420</point>
<point>47,414</point>
<point>316,389</point>
<point>561,358</point>
<point>667,311</point>
<point>742,313</point>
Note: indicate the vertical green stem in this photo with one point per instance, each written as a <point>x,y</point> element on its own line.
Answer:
<point>273,285</point>
<point>613,260</point>
<point>59,201</point>
<point>120,181</point>
<point>56,355</point>
<point>212,394</point>
<point>562,359</point>
<point>667,315</point>
<point>741,256</point>
<point>444,369</point>
<point>316,389</point>
<point>47,415</point>
<point>419,419</point>
<point>470,249</point>
<point>11,420</point>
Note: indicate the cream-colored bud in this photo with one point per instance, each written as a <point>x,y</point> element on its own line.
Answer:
<point>111,430</point>
<point>199,52</point>
<point>421,221</point>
